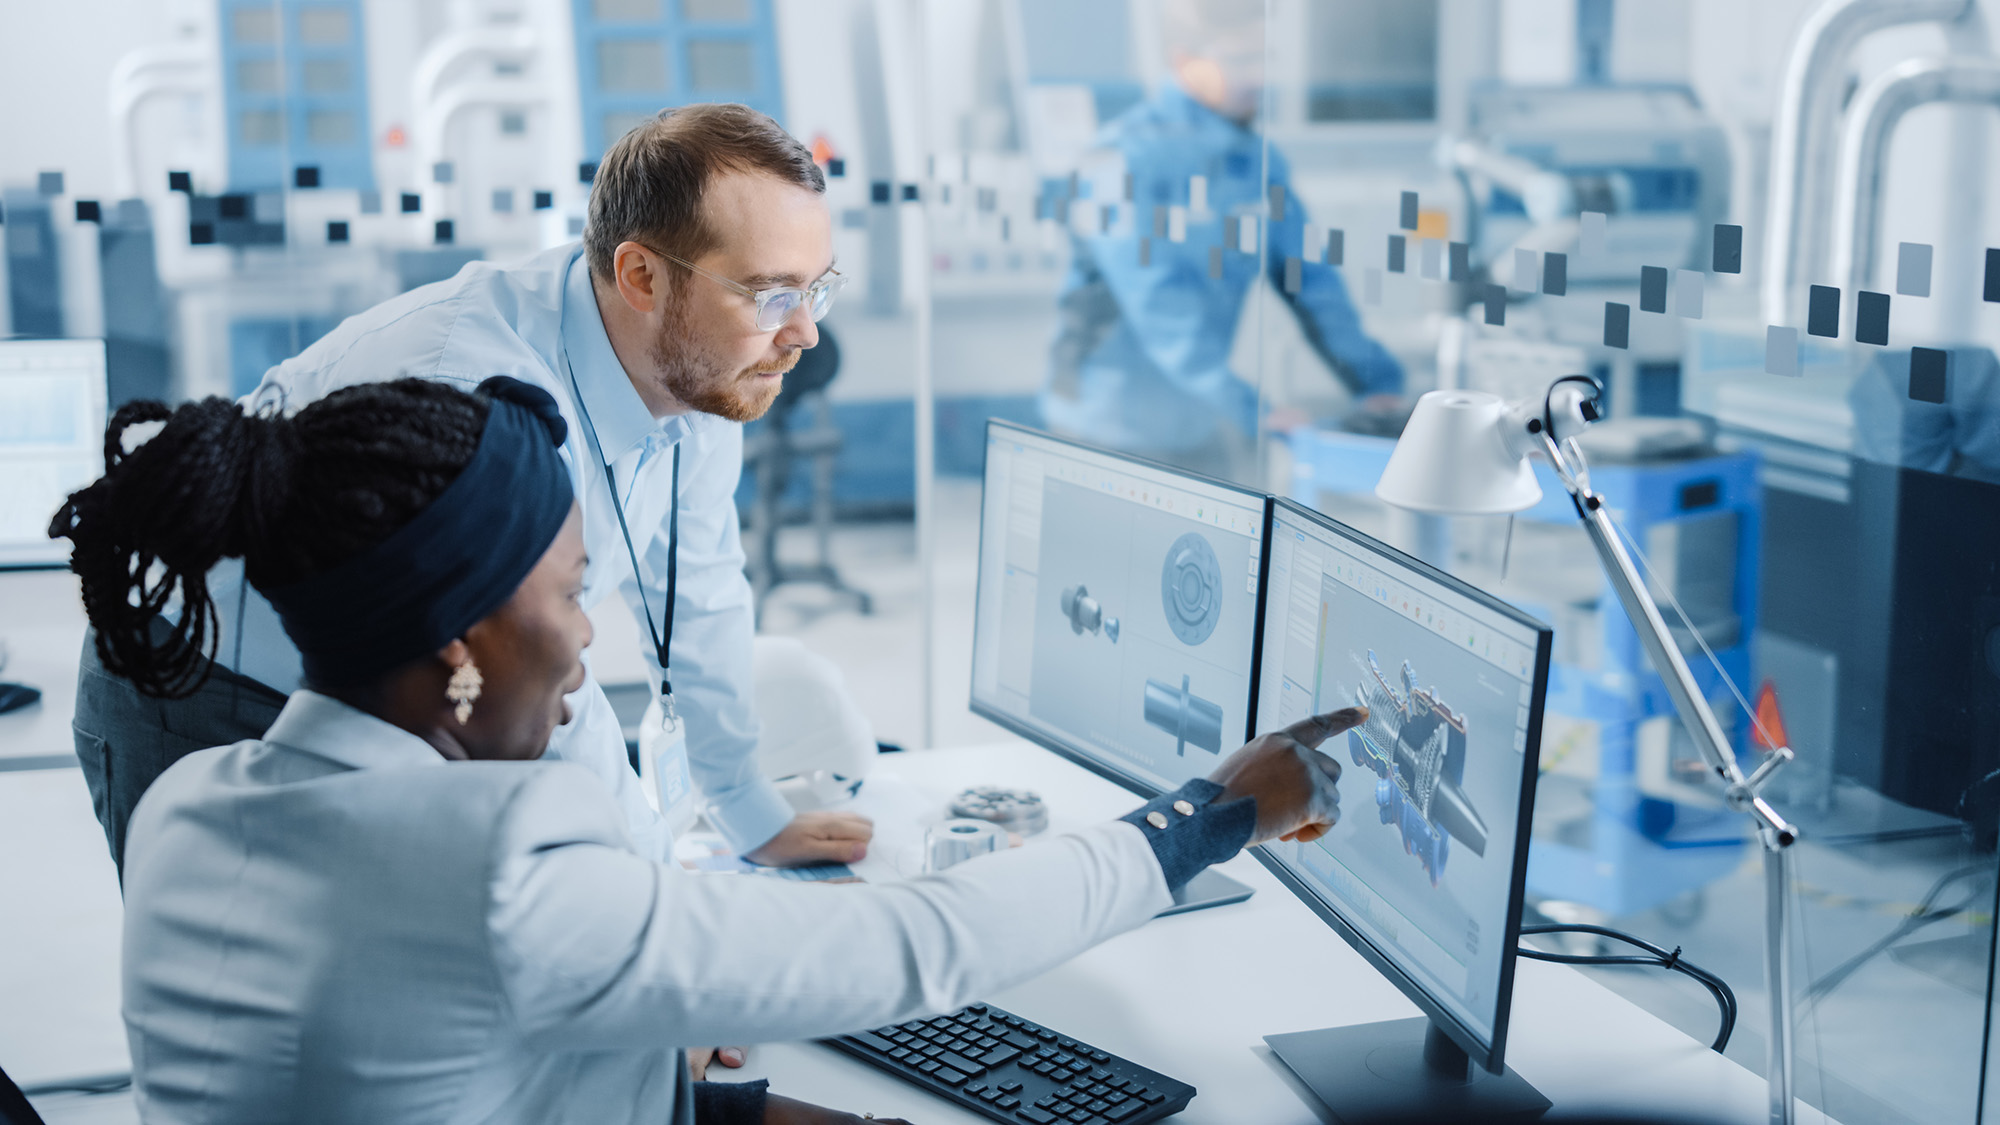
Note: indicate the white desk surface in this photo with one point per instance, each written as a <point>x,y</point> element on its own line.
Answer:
<point>1193,995</point>
<point>42,623</point>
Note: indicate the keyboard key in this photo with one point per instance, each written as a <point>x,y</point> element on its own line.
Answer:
<point>913,1025</point>
<point>999,1056</point>
<point>942,1022</point>
<point>1044,1067</point>
<point>989,1094</point>
<point>948,1076</point>
<point>1047,1100</point>
<point>980,1008</point>
<point>1059,1074</point>
<point>1099,1073</point>
<point>873,1042</point>
<point>1046,1052</point>
<point>1116,1098</point>
<point>1100,1056</point>
<point>1150,1097</point>
<point>933,1051</point>
<point>929,1067</point>
<point>961,1063</point>
<point>1045,1035</point>
<point>1065,1043</point>
<point>976,1087</point>
<point>1099,1090</point>
<point>1011,1087</point>
<point>1039,1117</point>
<point>1007,1102</point>
<point>1022,1040</point>
<point>1098,1106</point>
<point>1080,1116</point>
<point>900,1053</point>
<point>1123,1111</point>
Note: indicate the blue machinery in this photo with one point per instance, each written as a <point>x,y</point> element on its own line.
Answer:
<point>1634,849</point>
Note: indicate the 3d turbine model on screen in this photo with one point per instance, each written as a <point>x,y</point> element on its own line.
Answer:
<point>1416,746</point>
<point>1185,715</point>
<point>1191,588</point>
<point>1086,613</point>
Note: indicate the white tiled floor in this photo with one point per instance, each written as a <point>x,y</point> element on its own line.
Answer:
<point>1894,1044</point>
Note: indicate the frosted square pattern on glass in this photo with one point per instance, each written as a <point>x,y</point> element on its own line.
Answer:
<point>720,66</point>
<point>260,127</point>
<point>631,65</point>
<point>626,11</point>
<point>258,76</point>
<point>327,76</point>
<point>716,11</point>
<point>619,123</point>
<point>330,127</point>
<point>325,27</point>
<point>254,25</point>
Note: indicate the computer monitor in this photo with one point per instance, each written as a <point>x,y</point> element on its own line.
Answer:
<point>52,407</point>
<point>1117,609</point>
<point>1425,871</point>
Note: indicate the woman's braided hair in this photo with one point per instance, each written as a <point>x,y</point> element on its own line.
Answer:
<point>290,496</point>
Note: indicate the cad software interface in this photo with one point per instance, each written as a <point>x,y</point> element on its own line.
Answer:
<point>51,439</point>
<point>1117,606</point>
<point>1422,860</point>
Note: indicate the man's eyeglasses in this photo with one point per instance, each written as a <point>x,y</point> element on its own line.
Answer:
<point>776,306</point>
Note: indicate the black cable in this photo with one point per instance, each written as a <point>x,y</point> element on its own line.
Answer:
<point>1925,914</point>
<point>89,1084</point>
<point>1725,997</point>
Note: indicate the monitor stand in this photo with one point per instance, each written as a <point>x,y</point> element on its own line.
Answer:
<point>1210,888</point>
<point>1403,1071</point>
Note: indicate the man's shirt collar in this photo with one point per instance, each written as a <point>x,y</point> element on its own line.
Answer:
<point>616,412</point>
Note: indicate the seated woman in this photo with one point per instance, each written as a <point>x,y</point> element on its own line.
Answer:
<point>388,910</point>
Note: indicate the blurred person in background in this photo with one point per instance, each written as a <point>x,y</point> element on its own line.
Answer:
<point>1141,356</point>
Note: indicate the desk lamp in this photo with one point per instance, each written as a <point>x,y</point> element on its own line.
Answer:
<point>1465,453</point>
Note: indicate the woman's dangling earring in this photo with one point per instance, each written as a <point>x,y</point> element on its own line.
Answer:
<point>463,689</point>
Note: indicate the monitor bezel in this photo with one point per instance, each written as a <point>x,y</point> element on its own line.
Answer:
<point>1054,743</point>
<point>1490,1055</point>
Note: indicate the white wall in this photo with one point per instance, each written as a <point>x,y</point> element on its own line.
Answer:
<point>55,71</point>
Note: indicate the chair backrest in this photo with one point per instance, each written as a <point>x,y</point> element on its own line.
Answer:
<point>14,1107</point>
<point>816,368</point>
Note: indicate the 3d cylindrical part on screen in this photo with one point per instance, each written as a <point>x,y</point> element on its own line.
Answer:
<point>1086,613</point>
<point>1186,716</point>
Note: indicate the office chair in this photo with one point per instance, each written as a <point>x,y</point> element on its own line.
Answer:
<point>14,1107</point>
<point>770,455</point>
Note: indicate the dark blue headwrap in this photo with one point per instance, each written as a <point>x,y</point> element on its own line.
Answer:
<point>455,563</point>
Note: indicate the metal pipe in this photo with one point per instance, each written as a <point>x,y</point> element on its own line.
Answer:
<point>1878,110</point>
<point>458,46</point>
<point>1807,105</point>
<point>1778,1066</point>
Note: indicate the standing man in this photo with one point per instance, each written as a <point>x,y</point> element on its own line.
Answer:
<point>707,259</point>
<point>1141,355</point>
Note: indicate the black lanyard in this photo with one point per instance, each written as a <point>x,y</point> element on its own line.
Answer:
<point>660,641</point>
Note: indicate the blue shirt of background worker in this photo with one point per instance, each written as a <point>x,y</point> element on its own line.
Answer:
<point>1141,356</point>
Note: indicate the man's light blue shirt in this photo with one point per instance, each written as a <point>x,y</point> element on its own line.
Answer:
<point>538,322</point>
<point>1142,358</point>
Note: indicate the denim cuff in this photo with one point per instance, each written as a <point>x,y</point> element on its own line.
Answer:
<point>729,1103</point>
<point>1188,833</point>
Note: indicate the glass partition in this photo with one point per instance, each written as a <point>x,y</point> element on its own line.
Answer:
<point>1527,191</point>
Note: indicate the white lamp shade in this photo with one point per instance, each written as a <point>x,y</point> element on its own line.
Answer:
<point>1454,460</point>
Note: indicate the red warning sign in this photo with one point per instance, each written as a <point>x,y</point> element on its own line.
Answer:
<point>1769,733</point>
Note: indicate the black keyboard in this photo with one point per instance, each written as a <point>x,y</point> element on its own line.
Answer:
<point>1005,1068</point>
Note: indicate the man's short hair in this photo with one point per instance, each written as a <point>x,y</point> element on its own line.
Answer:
<point>650,184</point>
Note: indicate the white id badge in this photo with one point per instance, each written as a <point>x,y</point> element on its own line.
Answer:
<point>664,764</point>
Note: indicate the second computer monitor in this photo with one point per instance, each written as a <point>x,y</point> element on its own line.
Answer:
<point>1424,873</point>
<point>1117,607</point>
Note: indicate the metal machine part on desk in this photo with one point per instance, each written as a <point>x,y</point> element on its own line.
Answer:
<point>1005,1068</point>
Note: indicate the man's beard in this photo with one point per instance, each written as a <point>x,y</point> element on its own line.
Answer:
<point>701,382</point>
